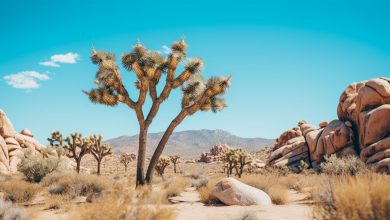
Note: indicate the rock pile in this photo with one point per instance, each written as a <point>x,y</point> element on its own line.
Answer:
<point>15,145</point>
<point>363,128</point>
<point>367,106</point>
<point>216,153</point>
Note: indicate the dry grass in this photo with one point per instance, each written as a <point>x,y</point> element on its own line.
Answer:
<point>205,193</point>
<point>71,185</point>
<point>19,190</point>
<point>34,169</point>
<point>364,196</point>
<point>274,185</point>
<point>142,204</point>
<point>8,211</point>
<point>176,185</point>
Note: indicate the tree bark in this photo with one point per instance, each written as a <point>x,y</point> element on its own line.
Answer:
<point>78,165</point>
<point>174,167</point>
<point>161,145</point>
<point>141,156</point>
<point>98,167</point>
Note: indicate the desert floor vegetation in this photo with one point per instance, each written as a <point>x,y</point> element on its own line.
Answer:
<point>19,191</point>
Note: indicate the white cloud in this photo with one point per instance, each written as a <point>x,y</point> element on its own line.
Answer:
<point>26,79</point>
<point>56,59</point>
<point>166,49</point>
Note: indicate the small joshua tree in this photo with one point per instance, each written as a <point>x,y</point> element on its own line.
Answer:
<point>77,147</point>
<point>149,67</point>
<point>175,159</point>
<point>236,159</point>
<point>125,159</point>
<point>56,142</point>
<point>99,150</point>
<point>161,165</point>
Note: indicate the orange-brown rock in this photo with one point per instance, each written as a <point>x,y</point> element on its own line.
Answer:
<point>367,106</point>
<point>14,146</point>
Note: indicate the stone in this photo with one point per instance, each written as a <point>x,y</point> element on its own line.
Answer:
<point>323,124</point>
<point>6,127</point>
<point>27,132</point>
<point>233,192</point>
<point>366,106</point>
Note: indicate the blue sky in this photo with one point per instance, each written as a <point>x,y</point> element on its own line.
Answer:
<point>290,60</point>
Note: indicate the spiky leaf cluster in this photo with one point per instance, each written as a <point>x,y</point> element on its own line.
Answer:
<point>56,139</point>
<point>77,146</point>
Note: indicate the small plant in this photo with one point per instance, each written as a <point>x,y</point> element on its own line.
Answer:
<point>175,159</point>
<point>339,166</point>
<point>125,159</point>
<point>72,185</point>
<point>162,164</point>
<point>77,147</point>
<point>99,150</point>
<point>19,191</point>
<point>34,169</point>
<point>8,211</point>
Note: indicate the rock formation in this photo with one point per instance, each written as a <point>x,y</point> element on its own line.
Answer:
<point>15,145</point>
<point>366,105</point>
<point>233,192</point>
<point>216,153</point>
<point>363,128</point>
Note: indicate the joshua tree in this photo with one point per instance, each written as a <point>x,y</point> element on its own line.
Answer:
<point>77,147</point>
<point>99,150</point>
<point>125,159</point>
<point>236,159</point>
<point>56,141</point>
<point>161,165</point>
<point>149,66</point>
<point>175,159</point>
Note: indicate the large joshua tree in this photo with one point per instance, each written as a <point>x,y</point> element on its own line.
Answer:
<point>149,66</point>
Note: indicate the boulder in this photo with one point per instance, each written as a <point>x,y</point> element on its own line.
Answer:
<point>6,127</point>
<point>233,192</point>
<point>26,132</point>
<point>366,105</point>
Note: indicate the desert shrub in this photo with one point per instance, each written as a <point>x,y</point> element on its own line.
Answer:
<point>276,170</point>
<point>364,196</point>
<point>176,185</point>
<point>200,182</point>
<point>161,165</point>
<point>34,169</point>
<point>278,194</point>
<point>139,204</point>
<point>8,211</point>
<point>338,166</point>
<point>71,184</point>
<point>205,193</point>
<point>19,191</point>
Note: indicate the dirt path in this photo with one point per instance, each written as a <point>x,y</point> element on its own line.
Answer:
<point>188,207</point>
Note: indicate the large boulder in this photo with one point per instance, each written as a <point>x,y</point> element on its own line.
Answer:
<point>334,137</point>
<point>290,149</point>
<point>233,192</point>
<point>367,106</point>
<point>14,146</point>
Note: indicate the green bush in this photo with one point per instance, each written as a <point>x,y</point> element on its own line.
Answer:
<point>35,169</point>
<point>340,166</point>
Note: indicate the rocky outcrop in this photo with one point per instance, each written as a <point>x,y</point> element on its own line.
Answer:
<point>233,192</point>
<point>367,106</point>
<point>363,128</point>
<point>14,146</point>
<point>216,153</point>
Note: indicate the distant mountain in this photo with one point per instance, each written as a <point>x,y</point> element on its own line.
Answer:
<point>189,143</point>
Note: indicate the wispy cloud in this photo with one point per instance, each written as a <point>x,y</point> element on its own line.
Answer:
<point>56,59</point>
<point>26,79</point>
<point>166,49</point>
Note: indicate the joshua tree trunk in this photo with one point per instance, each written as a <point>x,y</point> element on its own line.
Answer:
<point>174,168</point>
<point>160,147</point>
<point>141,156</point>
<point>78,162</point>
<point>98,167</point>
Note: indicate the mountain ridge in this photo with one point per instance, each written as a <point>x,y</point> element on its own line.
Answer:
<point>189,143</point>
